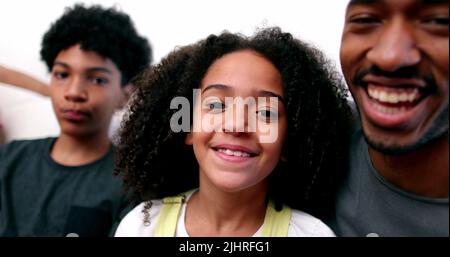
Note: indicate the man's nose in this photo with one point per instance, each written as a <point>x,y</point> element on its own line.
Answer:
<point>396,46</point>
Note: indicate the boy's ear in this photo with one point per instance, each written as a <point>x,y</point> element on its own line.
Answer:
<point>188,139</point>
<point>127,91</point>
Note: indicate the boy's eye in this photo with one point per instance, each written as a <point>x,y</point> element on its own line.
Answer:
<point>60,74</point>
<point>98,80</point>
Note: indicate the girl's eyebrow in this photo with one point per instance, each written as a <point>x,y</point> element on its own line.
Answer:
<point>271,94</point>
<point>260,93</point>
<point>217,86</point>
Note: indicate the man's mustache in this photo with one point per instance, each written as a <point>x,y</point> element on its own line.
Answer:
<point>402,73</point>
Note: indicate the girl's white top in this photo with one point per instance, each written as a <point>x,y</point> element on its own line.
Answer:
<point>301,225</point>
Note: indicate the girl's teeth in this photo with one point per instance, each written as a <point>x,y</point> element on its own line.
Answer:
<point>234,153</point>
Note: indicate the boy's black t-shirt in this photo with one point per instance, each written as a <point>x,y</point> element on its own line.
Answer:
<point>39,197</point>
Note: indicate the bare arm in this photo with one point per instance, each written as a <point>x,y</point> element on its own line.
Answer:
<point>2,134</point>
<point>22,80</point>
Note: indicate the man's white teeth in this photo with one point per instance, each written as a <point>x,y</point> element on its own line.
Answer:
<point>393,97</point>
<point>234,153</point>
<point>389,110</point>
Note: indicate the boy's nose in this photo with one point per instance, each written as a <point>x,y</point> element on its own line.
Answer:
<point>76,91</point>
<point>396,47</point>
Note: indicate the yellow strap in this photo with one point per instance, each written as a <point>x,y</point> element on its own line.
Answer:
<point>168,216</point>
<point>276,223</point>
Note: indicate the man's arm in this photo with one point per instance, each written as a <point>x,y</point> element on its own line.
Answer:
<point>22,80</point>
<point>2,134</point>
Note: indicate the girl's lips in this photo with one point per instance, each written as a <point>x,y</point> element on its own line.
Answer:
<point>232,158</point>
<point>239,148</point>
<point>234,153</point>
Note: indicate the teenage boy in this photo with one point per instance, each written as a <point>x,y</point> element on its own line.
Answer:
<point>65,185</point>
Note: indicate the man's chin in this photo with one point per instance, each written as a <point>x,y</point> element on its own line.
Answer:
<point>395,149</point>
<point>390,148</point>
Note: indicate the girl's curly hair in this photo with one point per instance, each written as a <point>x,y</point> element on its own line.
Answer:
<point>156,162</point>
<point>108,32</point>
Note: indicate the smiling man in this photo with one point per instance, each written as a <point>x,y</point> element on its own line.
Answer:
<point>65,185</point>
<point>395,58</point>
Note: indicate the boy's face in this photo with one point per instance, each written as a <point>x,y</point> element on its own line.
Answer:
<point>394,56</point>
<point>228,144</point>
<point>85,90</point>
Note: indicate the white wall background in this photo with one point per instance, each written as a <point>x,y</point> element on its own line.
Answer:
<point>166,24</point>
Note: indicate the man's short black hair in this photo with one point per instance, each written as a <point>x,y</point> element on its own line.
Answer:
<point>108,32</point>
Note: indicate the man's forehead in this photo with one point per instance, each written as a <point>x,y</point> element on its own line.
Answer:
<point>421,2</point>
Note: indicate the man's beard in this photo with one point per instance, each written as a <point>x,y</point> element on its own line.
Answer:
<point>438,129</point>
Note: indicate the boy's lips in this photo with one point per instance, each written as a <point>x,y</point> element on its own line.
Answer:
<point>75,115</point>
<point>392,102</point>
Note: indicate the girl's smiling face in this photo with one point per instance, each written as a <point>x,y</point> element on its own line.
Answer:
<point>231,150</point>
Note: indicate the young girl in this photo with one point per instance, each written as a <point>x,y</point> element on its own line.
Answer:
<point>220,178</point>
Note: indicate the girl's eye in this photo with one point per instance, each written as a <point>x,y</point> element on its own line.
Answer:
<point>215,107</point>
<point>267,115</point>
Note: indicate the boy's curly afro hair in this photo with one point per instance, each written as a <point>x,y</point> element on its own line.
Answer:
<point>107,32</point>
<point>156,162</point>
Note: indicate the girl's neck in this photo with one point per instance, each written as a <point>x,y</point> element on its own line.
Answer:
<point>76,151</point>
<point>213,212</point>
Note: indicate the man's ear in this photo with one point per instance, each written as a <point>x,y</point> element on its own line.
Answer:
<point>283,158</point>
<point>188,140</point>
<point>126,92</point>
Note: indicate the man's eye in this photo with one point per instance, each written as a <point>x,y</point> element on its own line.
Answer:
<point>437,25</point>
<point>362,20</point>
<point>439,20</point>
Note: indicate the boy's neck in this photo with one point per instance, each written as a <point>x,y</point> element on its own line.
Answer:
<point>75,151</point>
<point>423,172</point>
